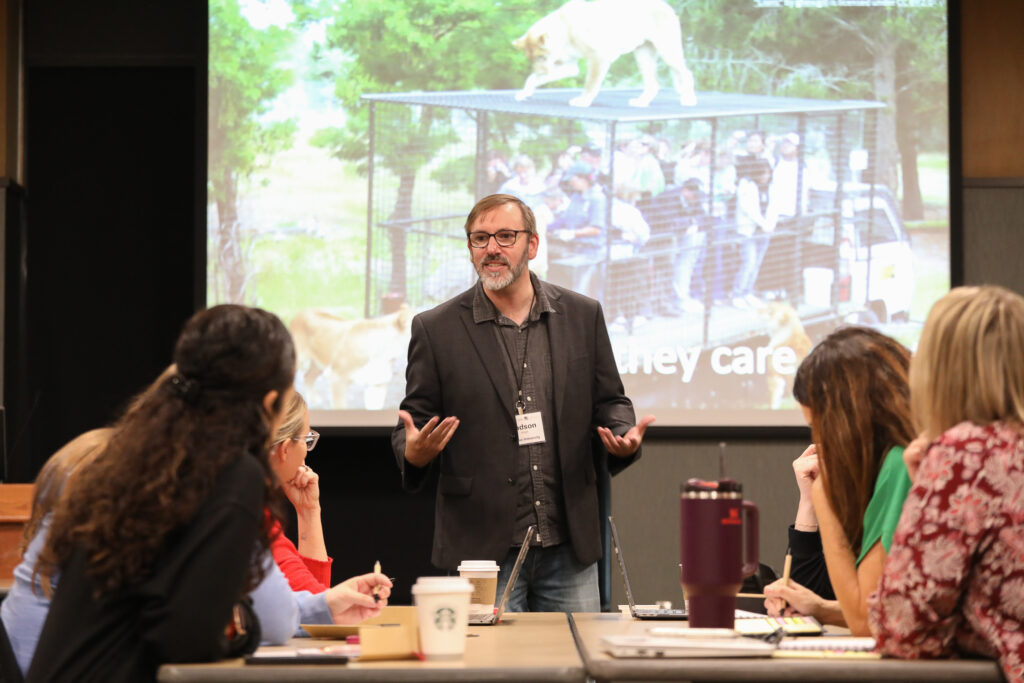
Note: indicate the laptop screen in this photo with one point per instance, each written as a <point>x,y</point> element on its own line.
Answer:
<point>622,563</point>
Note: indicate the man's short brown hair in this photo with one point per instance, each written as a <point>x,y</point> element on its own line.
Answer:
<point>494,201</point>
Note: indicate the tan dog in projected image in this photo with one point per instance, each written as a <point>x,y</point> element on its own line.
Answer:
<point>784,329</point>
<point>601,31</point>
<point>359,351</point>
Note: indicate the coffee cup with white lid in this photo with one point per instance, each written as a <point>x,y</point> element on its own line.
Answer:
<point>483,575</point>
<point>442,611</point>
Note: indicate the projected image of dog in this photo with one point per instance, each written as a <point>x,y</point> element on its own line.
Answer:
<point>784,330</point>
<point>601,31</point>
<point>357,354</point>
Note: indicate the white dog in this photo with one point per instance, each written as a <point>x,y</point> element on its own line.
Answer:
<point>784,329</point>
<point>359,351</point>
<point>601,31</point>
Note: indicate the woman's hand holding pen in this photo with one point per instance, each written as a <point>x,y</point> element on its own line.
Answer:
<point>627,444</point>
<point>423,445</point>
<point>353,600</point>
<point>787,597</point>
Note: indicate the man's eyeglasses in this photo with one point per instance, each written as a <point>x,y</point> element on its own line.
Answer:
<point>504,238</point>
<point>310,439</point>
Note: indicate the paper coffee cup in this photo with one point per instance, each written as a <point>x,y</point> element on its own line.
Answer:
<point>483,575</point>
<point>442,610</point>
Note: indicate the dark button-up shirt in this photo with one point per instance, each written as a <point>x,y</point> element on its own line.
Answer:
<point>538,475</point>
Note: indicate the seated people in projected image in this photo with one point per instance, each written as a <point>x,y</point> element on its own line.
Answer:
<point>582,227</point>
<point>637,167</point>
<point>680,212</point>
<point>854,394</point>
<point>785,200</point>
<point>525,184</point>
<point>628,279</point>
<point>511,392</point>
<point>954,580</point>
<point>753,227</point>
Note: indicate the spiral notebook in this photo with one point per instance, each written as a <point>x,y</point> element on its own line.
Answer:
<point>839,647</point>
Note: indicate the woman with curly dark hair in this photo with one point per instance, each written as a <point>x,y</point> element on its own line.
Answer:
<point>156,540</point>
<point>855,395</point>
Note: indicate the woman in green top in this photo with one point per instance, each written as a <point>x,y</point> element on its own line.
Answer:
<point>854,394</point>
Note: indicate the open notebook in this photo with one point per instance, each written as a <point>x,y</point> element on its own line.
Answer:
<point>495,617</point>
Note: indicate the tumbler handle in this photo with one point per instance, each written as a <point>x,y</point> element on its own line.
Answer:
<point>751,532</point>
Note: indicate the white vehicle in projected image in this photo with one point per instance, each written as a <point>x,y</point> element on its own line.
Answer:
<point>874,271</point>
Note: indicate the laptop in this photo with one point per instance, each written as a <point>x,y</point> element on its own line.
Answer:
<point>747,623</point>
<point>640,646</point>
<point>495,617</point>
<point>638,612</point>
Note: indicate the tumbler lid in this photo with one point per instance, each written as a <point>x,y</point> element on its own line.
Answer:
<point>703,486</point>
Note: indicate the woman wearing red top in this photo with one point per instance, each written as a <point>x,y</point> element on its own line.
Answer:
<point>954,579</point>
<point>307,568</point>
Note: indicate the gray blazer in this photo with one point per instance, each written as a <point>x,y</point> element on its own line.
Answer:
<point>456,367</point>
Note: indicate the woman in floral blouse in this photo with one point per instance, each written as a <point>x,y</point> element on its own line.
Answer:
<point>954,578</point>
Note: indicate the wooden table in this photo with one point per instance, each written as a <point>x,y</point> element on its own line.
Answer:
<point>536,647</point>
<point>588,629</point>
<point>15,507</point>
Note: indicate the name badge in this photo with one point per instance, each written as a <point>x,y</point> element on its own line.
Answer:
<point>530,427</point>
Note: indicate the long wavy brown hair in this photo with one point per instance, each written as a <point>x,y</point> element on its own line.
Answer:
<point>165,454</point>
<point>855,384</point>
<point>52,477</point>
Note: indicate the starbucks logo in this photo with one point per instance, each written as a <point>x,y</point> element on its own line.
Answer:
<point>444,619</point>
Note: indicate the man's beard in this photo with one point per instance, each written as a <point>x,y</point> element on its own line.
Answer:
<point>498,282</point>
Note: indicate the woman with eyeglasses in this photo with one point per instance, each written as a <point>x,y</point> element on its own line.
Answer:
<point>306,570</point>
<point>308,566</point>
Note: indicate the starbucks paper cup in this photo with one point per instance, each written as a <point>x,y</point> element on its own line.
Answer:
<point>442,608</point>
<point>483,576</point>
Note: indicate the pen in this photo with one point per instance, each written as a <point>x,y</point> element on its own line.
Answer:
<point>376,588</point>
<point>786,566</point>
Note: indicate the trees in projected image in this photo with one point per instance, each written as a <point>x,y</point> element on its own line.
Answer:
<point>244,79</point>
<point>439,45</point>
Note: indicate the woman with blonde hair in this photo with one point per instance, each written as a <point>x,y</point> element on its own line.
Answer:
<point>24,609</point>
<point>306,570</point>
<point>954,580</point>
<point>854,392</point>
<point>307,566</point>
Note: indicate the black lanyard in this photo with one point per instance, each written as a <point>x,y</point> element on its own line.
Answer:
<point>519,376</point>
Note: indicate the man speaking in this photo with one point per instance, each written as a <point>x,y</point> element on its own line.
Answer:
<point>512,394</point>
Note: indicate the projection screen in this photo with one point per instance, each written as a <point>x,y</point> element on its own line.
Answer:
<point>790,175</point>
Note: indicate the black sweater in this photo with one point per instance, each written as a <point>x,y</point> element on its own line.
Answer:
<point>177,614</point>
<point>808,568</point>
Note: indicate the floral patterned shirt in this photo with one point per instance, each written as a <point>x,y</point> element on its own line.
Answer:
<point>954,578</point>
